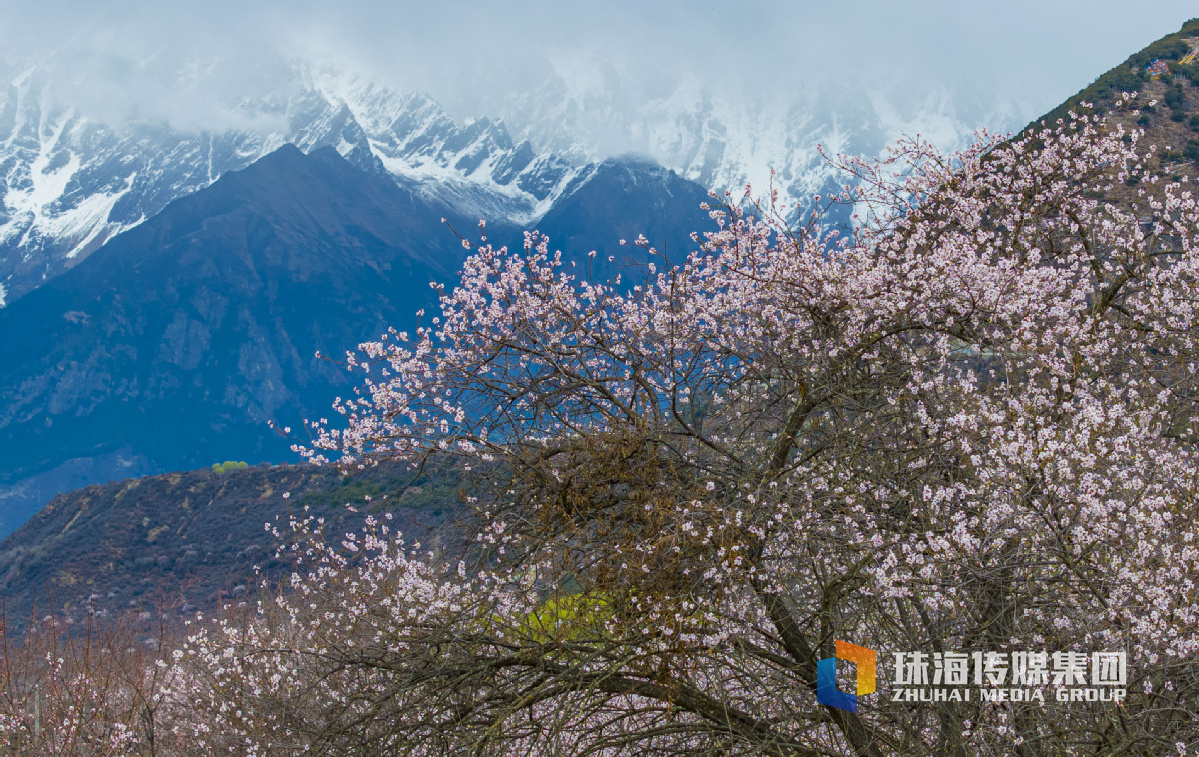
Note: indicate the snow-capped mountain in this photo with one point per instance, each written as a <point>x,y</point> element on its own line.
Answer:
<point>726,138</point>
<point>69,183</point>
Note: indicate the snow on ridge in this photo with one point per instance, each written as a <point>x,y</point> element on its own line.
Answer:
<point>417,141</point>
<point>725,139</point>
<point>71,183</point>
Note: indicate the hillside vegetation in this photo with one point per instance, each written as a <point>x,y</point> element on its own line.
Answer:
<point>183,542</point>
<point>1132,75</point>
<point>1166,106</point>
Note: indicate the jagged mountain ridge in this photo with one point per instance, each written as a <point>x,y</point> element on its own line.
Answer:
<point>68,183</point>
<point>723,138</point>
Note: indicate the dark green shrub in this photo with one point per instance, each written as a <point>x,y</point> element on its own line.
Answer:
<point>1171,49</point>
<point>1168,49</point>
<point>1125,80</point>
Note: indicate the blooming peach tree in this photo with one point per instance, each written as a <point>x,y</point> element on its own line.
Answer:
<point>967,425</point>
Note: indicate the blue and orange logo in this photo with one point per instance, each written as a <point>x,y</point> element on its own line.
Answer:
<point>826,676</point>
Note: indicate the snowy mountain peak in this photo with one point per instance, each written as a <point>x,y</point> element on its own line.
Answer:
<point>68,183</point>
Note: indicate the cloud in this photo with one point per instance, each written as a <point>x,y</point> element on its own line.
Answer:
<point>191,64</point>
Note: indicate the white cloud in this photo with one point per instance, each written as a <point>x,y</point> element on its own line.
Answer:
<point>191,63</point>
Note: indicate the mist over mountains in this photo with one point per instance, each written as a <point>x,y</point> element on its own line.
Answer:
<point>70,183</point>
<point>70,180</point>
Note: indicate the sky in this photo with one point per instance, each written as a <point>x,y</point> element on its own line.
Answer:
<point>186,62</point>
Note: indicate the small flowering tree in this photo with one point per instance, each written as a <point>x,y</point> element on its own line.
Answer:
<point>970,426</point>
<point>89,692</point>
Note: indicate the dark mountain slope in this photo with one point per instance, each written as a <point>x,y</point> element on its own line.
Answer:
<point>179,339</point>
<point>192,538</point>
<point>182,338</point>
<point>177,342</point>
<point>621,199</point>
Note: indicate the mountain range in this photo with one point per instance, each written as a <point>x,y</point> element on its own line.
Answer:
<point>69,182</point>
<point>164,293</point>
